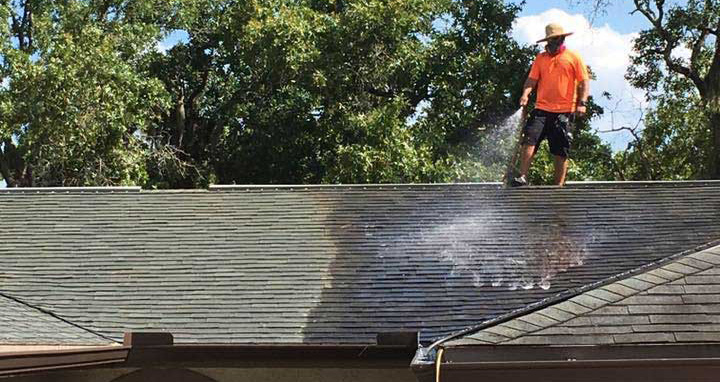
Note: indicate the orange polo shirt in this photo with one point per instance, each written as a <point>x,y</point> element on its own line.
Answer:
<point>558,77</point>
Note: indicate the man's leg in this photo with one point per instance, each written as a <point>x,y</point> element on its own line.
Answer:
<point>527,152</point>
<point>532,136</point>
<point>561,166</point>
<point>560,139</point>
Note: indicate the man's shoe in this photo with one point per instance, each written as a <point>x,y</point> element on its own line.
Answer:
<point>520,181</point>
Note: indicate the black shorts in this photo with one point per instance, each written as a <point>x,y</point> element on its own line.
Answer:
<point>556,127</point>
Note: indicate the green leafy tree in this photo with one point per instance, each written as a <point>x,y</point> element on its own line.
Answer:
<point>695,26</point>
<point>681,138</point>
<point>314,91</point>
<point>75,97</point>
<point>675,142</point>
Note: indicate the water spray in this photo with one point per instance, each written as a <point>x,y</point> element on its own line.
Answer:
<point>517,121</point>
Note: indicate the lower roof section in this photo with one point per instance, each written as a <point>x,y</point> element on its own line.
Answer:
<point>674,301</point>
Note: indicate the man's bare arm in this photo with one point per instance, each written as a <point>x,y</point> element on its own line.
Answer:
<point>583,94</point>
<point>583,90</point>
<point>527,89</point>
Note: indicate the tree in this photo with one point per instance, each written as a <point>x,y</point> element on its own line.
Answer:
<point>75,97</point>
<point>689,26</point>
<point>314,91</point>
<point>669,78</point>
<point>675,142</point>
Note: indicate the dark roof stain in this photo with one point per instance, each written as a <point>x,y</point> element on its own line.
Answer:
<point>332,265</point>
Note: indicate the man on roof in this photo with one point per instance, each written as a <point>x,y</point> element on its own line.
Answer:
<point>563,86</point>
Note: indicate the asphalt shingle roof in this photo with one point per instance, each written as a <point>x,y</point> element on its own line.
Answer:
<point>332,264</point>
<point>678,302</point>
<point>21,324</point>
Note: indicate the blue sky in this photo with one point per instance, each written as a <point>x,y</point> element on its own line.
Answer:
<point>617,14</point>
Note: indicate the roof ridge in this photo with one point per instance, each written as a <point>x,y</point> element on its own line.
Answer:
<point>569,294</point>
<point>55,316</point>
<point>492,185</point>
<point>68,190</point>
<point>251,187</point>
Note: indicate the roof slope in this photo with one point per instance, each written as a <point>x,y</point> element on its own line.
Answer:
<point>332,264</point>
<point>24,325</point>
<point>678,302</point>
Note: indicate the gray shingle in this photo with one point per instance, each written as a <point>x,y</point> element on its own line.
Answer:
<point>646,338</point>
<point>589,301</point>
<point>611,310</point>
<point>698,337</point>
<point>486,336</point>
<point>707,256</point>
<point>636,283</point>
<point>650,278</point>
<point>677,267</point>
<point>505,331</point>
<point>619,320</point>
<point>572,307</point>
<point>606,295</point>
<point>620,289</point>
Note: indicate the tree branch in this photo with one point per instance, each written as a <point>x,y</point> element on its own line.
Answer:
<point>697,49</point>
<point>670,44</point>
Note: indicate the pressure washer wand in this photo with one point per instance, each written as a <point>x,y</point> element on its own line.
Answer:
<point>511,167</point>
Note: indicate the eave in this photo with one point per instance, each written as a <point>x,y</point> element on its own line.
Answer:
<point>35,361</point>
<point>642,362</point>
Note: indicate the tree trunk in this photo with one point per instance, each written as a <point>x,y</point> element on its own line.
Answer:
<point>715,152</point>
<point>712,99</point>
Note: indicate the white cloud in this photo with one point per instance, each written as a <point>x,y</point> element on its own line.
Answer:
<point>607,52</point>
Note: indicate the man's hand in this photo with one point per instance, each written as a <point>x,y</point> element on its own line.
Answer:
<point>524,100</point>
<point>527,89</point>
<point>580,111</point>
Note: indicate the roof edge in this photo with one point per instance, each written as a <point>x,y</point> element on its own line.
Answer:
<point>69,190</point>
<point>481,185</point>
<point>36,361</point>
<point>250,187</point>
<point>381,186</point>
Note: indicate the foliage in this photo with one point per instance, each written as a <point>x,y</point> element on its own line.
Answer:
<point>681,137</point>
<point>75,95</point>
<point>676,141</point>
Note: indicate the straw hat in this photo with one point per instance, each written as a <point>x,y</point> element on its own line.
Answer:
<point>554,30</point>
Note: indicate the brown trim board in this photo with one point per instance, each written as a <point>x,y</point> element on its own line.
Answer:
<point>559,363</point>
<point>24,362</point>
<point>336,356</point>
